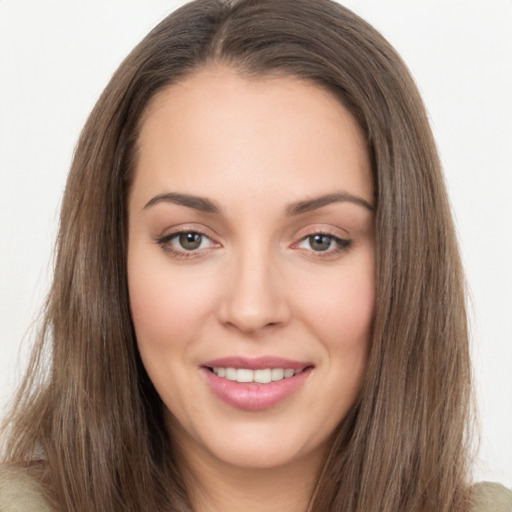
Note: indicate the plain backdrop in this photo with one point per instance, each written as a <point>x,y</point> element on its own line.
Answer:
<point>56,57</point>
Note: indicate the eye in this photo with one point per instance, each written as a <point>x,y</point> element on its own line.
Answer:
<point>185,243</point>
<point>323,243</point>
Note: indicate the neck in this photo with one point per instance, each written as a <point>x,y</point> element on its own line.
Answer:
<point>216,486</point>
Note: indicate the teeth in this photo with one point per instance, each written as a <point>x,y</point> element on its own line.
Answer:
<point>243,375</point>
<point>263,376</point>
<point>277,373</point>
<point>231,374</point>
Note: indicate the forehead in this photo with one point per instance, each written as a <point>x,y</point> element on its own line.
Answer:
<point>217,127</point>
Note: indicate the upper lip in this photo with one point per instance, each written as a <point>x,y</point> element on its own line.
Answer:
<point>256,363</point>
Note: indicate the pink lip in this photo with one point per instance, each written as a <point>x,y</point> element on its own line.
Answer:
<point>253,396</point>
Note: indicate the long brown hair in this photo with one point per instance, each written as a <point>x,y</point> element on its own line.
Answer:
<point>87,406</point>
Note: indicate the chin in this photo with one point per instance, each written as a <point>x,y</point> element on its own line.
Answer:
<point>261,445</point>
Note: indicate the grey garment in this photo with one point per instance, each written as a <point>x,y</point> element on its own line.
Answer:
<point>20,492</point>
<point>491,497</point>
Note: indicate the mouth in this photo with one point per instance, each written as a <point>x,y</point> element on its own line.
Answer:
<point>255,384</point>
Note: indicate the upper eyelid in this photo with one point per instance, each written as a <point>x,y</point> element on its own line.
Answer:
<point>187,228</point>
<point>322,229</point>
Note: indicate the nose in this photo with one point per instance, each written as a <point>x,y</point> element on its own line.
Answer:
<point>254,298</point>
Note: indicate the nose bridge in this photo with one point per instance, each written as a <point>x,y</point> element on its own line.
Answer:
<point>253,297</point>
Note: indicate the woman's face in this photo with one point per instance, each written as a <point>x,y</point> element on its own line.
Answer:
<point>251,264</point>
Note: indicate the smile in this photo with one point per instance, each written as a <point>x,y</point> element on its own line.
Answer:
<point>255,384</point>
<point>261,376</point>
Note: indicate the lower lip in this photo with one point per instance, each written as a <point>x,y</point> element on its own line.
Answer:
<point>253,396</point>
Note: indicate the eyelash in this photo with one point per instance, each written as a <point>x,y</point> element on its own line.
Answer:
<point>164,242</point>
<point>341,244</point>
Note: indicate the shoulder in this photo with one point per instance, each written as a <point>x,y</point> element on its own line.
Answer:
<point>491,497</point>
<point>20,491</point>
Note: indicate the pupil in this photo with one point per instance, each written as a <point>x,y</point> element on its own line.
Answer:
<point>190,241</point>
<point>320,242</point>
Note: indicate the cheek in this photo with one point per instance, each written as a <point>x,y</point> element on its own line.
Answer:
<point>342,310</point>
<point>355,308</point>
<point>166,305</point>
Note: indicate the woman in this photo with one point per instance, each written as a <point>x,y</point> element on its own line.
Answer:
<point>258,300</point>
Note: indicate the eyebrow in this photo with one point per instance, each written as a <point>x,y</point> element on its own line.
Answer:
<point>309,205</point>
<point>206,205</point>
<point>197,203</point>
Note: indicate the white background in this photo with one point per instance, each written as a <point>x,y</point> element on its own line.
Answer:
<point>56,57</point>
